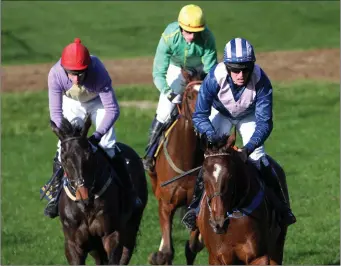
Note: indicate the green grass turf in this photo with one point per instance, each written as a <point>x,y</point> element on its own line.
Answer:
<point>305,141</point>
<point>37,31</point>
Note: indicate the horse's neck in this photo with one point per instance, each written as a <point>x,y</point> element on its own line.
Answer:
<point>183,144</point>
<point>183,133</point>
<point>104,166</point>
<point>246,185</point>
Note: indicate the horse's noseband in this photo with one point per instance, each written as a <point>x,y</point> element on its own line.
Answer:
<point>194,82</point>
<point>70,138</point>
<point>215,194</point>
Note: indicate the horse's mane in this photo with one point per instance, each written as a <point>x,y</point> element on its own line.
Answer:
<point>195,74</point>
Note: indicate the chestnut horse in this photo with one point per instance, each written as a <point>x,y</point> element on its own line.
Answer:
<point>236,223</point>
<point>180,154</point>
<point>100,218</point>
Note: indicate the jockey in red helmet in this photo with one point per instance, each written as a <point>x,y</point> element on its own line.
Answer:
<point>75,56</point>
<point>79,84</point>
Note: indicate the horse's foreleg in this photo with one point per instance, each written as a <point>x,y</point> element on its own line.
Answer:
<point>264,260</point>
<point>193,246</point>
<point>100,257</point>
<point>166,251</point>
<point>213,260</point>
<point>113,247</point>
<point>276,250</point>
<point>129,235</point>
<point>74,254</point>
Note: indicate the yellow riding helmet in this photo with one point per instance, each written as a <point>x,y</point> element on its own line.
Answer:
<point>191,18</point>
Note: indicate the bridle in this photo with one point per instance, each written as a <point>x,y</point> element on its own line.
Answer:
<point>187,107</point>
<point>80,180</point>
<point>219,194</point>
<point>70,138</point>
<point>209,198</point>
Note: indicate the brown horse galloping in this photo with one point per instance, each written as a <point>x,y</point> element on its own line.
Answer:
<point>179,153</point>
<point>100,218</point>
<point>235,221</point>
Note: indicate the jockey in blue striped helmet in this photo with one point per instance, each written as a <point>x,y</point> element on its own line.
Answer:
<point>239,55</point>
<point>240,94</point>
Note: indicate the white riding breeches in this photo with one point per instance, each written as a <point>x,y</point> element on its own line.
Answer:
<point>176,82</point>
<point>75,112</point>
<point>245,127</point>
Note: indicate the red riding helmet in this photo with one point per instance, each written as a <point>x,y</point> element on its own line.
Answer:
<point>75,56</point>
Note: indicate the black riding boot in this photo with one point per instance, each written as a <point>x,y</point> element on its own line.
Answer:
<point>155,133</point>
<point>51,210</point>
<point>120,166</point>
<point>189,219</point>
<point>277,195</point>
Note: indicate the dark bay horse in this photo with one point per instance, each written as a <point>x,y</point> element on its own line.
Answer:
<point>181,153</point>
<point>100,219</point>
<point>236,223</point>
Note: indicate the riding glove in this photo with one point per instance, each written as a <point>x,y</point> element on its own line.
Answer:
<point>94,140</point>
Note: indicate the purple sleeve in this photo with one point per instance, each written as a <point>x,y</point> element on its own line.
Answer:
<point>55,98</point>
<point>111,107</point>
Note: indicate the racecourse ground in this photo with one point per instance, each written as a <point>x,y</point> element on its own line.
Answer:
<point>298,46</point>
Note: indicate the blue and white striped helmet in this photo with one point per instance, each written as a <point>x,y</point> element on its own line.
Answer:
<point>239,50</point>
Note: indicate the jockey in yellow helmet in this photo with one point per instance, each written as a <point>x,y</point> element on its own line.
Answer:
<point>186,43</point>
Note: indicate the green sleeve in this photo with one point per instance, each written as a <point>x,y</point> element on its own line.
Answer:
<point>161,64</point>
<point>209,58</point>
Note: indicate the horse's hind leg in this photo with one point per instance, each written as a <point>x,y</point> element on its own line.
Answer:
<point>166,251</point>
<point>193,246</point>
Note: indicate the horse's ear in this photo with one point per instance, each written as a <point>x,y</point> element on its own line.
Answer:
<point>232,139</point>
<point>87,125</point>
<point>56,130</point>
<point>203,142</point>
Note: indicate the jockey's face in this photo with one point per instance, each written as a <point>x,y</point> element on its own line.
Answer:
<point>189,36</point>
<point>76,77</point>
<point>239,72</point>
<point>239,77</point>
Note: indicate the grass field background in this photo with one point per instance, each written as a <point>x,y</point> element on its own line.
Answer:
<point>35,32</point>
<point>305,141</point>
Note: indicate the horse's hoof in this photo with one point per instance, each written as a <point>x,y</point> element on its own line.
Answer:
<point>157,258</point>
